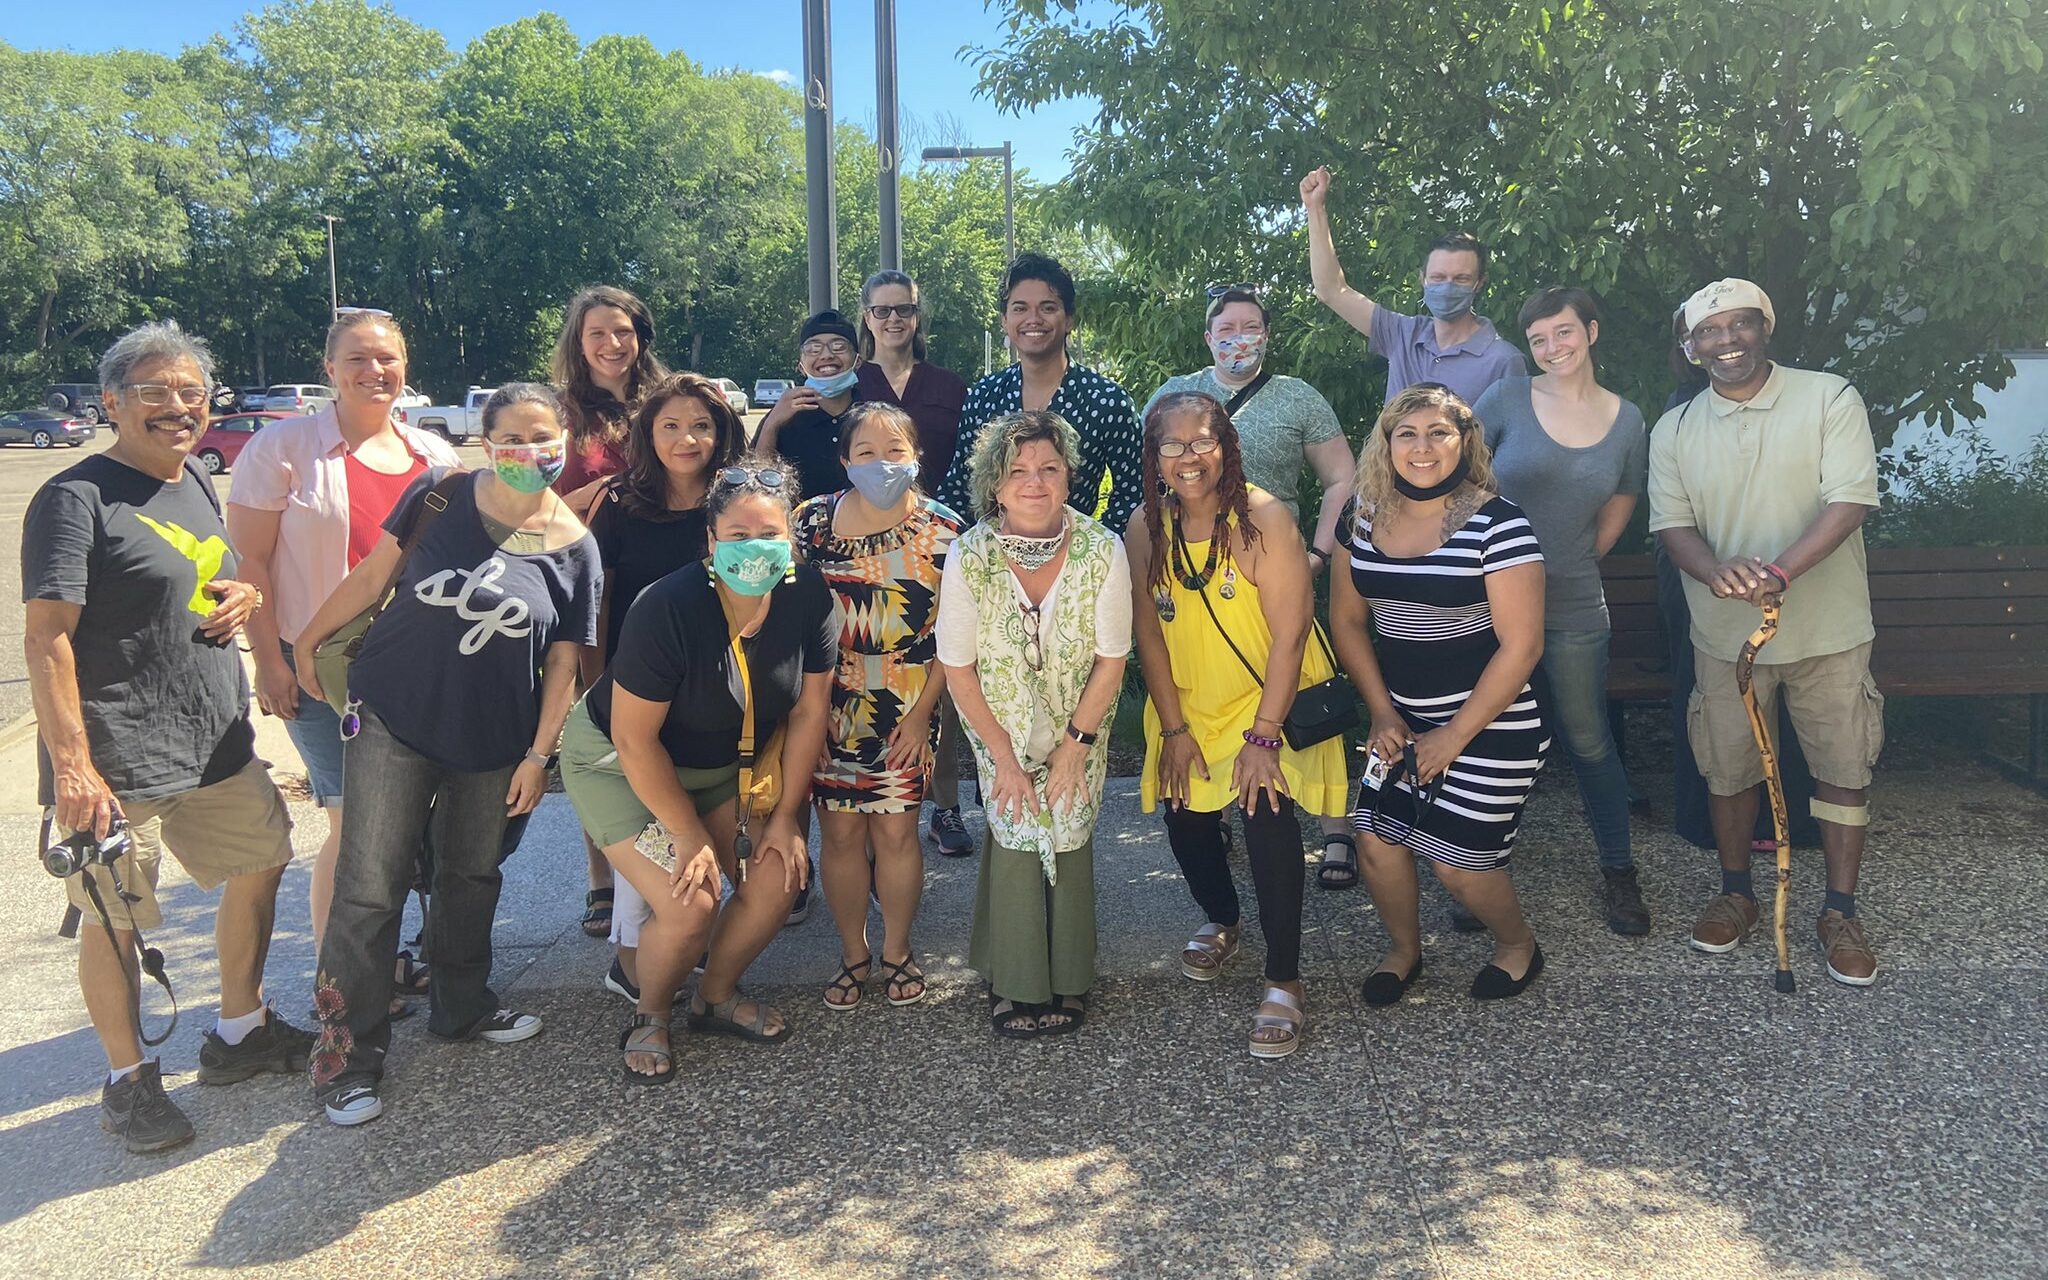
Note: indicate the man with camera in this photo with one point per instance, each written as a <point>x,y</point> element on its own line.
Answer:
<point>143,710</point>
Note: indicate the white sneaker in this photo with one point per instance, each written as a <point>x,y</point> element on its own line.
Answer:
<point>508,1026</point>
<point>357,1104</point>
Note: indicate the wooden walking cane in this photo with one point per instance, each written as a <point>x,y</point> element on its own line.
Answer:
<point>1774,781</point>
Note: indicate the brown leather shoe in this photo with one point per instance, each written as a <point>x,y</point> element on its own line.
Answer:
<point>1724,924</point>
<point>1849,957</point>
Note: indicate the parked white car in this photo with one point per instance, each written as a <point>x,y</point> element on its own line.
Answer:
<point>455,422</point>
<point>298,398</point>
<point>734,396</point>
<point>412,398</point>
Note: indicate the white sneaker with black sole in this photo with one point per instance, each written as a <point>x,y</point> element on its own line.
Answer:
<point>508,1026</point>
<point>357,1104</point>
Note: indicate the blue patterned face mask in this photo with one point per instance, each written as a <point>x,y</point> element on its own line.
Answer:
<point>836,385</point>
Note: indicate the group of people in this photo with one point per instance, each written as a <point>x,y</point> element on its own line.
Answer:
<point>716,639</point>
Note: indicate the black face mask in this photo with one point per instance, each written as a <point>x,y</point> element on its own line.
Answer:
<point>1417,493</point>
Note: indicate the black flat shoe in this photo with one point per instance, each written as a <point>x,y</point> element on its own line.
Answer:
<point>1493,982</point>
<point>1387,987</point>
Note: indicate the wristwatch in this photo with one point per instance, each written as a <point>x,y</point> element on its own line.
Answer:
<point>545,762</point>
<point>1085,739</point>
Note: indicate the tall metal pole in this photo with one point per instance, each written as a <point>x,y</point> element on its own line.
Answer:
<point>333,293</point>
<point>891,170</point>
<point>1009,207</point>
<point>819,187</point>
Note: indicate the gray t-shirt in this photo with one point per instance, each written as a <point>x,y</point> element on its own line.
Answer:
<point>1561,490</point>
<point>1273,427</point>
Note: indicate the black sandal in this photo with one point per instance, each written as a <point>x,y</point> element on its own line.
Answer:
<point>1018,1022</point>
<point>412,978</point>
<point>849,982</point>
<point>1074,1014</point>
<point>898,975</point>
<point>597,912</point>
<point>1339,871</point>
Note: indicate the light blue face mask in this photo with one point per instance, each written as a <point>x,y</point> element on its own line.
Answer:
<point>882,481</point>
<point>752,566</point>
<point>836,385</point>
<point>1447,300</point>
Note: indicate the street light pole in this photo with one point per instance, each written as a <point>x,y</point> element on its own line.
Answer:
<point>891,169</point>
<point>819,184</point>
<point>932,154</point>
<point>333,293</point>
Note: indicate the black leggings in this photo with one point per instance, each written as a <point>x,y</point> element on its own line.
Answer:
<point>1273,842</point>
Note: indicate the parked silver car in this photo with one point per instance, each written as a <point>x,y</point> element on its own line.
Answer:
<point>298,397</point>
<point>733,395</point>
<point>768,390</point>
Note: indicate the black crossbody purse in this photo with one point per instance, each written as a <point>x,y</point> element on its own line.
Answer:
<point>1321,711</point>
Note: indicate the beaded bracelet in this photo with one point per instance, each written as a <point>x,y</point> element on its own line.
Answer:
<point>1270,744</point>
<point>1172,733</point>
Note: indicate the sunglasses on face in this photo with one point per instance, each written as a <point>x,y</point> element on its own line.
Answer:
<point>901,310</point>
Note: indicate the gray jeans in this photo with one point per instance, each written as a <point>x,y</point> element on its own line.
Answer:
<point>389,791</point>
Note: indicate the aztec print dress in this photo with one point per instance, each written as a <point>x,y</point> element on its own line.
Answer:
<point>1433,633</point>
<point>885,593</point>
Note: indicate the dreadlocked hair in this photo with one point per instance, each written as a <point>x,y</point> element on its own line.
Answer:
<point>1235,504</point>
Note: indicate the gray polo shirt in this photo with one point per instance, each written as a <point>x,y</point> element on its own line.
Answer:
<point>1469,368</point>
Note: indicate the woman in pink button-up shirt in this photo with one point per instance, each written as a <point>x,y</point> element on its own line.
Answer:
<point>290,514</point>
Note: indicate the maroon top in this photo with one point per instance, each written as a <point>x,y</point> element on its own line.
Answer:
<point>933,398</point>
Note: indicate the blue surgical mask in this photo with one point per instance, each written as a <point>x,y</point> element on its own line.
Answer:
<point>1448,299</point>
<point>836,385</point>
<point>881,481</point>
<point>752,566</point>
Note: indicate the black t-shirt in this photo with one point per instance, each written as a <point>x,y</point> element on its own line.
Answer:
<point>676,649</point>
<point>452,665</point>
<point>166,709</point>
<point>810,441</point>
<point>639,551</point>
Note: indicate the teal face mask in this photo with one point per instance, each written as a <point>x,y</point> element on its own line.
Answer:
<point>529,468</point>
<point>752,566</point>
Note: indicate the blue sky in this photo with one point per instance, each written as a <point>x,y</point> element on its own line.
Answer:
<point>935,81</point>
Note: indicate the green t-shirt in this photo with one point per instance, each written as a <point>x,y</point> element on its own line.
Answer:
<point>1273,427</point>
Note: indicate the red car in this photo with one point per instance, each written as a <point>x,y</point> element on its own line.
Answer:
<point>224,438</point>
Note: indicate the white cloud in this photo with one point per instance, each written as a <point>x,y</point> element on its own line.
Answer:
<point>779,76</point>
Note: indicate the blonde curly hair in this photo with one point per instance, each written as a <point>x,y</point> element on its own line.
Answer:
<point>997,447</point>
<point>1375,485</point>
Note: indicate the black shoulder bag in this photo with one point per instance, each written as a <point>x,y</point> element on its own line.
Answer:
<point>1321,711</point>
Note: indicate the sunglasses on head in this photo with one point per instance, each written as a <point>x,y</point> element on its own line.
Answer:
<point>737,477</point>
<point>1218,290</point>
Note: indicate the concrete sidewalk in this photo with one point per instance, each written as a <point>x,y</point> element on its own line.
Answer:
<point>1643,1111</point>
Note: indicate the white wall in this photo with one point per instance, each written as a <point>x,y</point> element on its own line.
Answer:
<point>2014,417</point>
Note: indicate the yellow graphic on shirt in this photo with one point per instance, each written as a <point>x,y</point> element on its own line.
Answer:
<point>205,556</point>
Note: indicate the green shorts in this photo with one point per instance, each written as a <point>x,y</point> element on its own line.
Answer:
<point>605,803</point>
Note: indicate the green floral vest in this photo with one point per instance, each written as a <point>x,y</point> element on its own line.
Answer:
<point>1014,691</point>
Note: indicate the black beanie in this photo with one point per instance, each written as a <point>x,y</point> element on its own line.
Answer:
<point>827,322</point>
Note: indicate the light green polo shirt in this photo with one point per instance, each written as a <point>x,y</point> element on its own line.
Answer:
<point>1752,476</point>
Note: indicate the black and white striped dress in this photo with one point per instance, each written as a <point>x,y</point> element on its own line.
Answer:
<point>1433,633</point>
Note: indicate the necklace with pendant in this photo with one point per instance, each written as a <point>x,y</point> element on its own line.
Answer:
<point>1182,558</point>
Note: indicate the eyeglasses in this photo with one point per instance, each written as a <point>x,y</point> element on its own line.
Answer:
<point>1199,445</point>
<point>836,347</point>
<point>1743,325</point>
<point>1218,290</point>
<point>901,310</point>
<point>155,393</point>
<point>763,477</point>
<point>1034,644</point>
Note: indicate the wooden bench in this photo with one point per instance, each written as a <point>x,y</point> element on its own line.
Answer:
<point>1953,621</point>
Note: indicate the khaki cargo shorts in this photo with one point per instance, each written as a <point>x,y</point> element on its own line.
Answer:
<point>235,827</point>
<point>1836,709</point>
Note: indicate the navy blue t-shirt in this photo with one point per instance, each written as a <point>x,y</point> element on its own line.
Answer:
<point>452,665</point>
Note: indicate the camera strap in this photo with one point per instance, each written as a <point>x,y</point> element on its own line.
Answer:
<point>150,960</point>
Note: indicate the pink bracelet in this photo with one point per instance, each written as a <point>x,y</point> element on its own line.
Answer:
<point>1270,744</point>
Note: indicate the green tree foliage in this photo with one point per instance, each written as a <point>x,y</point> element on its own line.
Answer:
<point>475,191</point>
<point>1881,167</point>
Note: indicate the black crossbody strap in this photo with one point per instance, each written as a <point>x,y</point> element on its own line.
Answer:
<point>1246,392</point>
<point>1313,625</point>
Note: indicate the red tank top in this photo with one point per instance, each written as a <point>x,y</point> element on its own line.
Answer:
<point>371,495</point>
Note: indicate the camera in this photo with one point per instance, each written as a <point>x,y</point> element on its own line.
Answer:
<point>77,851</point>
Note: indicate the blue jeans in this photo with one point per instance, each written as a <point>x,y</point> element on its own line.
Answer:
<point>1575,663</point>
<point>316,732</point>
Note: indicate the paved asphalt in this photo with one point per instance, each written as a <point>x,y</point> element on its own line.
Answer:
<point>1643,1111</point>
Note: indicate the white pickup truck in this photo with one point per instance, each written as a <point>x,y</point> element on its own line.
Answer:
<point>455,422</point>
